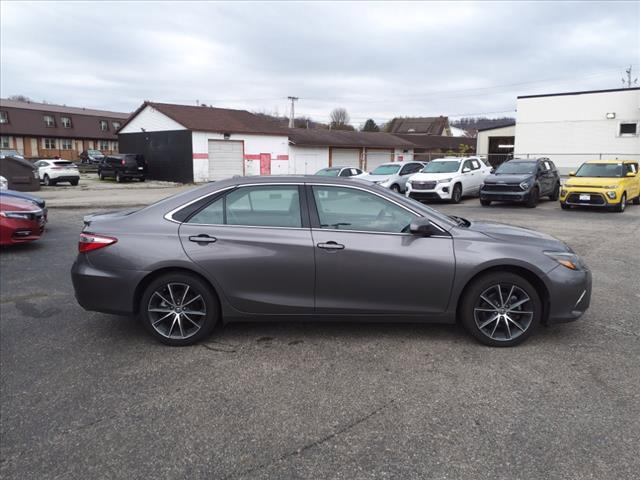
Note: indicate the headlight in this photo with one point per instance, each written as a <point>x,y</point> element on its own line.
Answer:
<point>611,195</point>
<point>566,259</point>
<point>524,185</point>
<point>444,180</point>
<point>563,192</point>
<point>19,215</point>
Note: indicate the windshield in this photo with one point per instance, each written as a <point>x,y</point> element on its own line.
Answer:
<point>611,170</point>
<point>329,172</point>
<point>517,168</point>
<point>442,167</point>
<point>386,170</point>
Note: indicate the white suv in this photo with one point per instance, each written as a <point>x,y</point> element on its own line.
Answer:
<point>54,171</point>
<point>448,178</point>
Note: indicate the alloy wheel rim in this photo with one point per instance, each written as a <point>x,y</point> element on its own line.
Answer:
<point>176,310</point>
<point>503,312</point>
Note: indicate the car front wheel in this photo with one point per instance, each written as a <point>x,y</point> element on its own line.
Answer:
<point>456,195</point>
<point>501,309</point>
<point>179,309</point>
<point>623,204</point>
<point>534,196</point>
<point>485,203</point>
<point>395,188</point>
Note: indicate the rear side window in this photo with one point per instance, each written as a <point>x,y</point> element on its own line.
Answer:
<point>259,206</point>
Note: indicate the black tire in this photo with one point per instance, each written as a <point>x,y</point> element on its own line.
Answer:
<point>100,175</point>
<point>394,188</point>
<point>456,194</point>
<point>74,182</point>
<point>119,178</point>
<point>533,199</point>
<point>564,206</point>
<point>555,195</point>
<point>472,320</point>
<point>622,205</point>
<point>47,181</point>
<point>197,287</point>
<point>485,203</point>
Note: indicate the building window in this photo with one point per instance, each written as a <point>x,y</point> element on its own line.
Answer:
<point>630,128</point>
<point>49,120</point>
<point>104,145</point>
<point>4,117</point>
<point>66,122</point>
<point>116,125</point>
<point>66,144</point>
<point>104,125</point>
<point>4,142</point>
<point>49,143</point>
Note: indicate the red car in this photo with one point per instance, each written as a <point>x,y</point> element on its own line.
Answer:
<point>20,221</point>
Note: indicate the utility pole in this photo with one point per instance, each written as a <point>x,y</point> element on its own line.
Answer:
<point>292,115</point>
<point>627,81</point>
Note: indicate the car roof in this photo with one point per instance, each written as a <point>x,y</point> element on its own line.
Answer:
<point>611,161</point>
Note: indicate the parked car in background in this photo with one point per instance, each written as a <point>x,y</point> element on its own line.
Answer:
<point>603,183</point>
<point>91,156</point>
<point>448,178</point>
<point>10,153</point>
<point>4,184</point>
<point>339,172</point>
<point>216,254</point>
<point>55,171</point>
<point>393,175</point>
<point>37,201</point>
<point>123,167</point>
<point>20,221</point>
<point>522,180</point>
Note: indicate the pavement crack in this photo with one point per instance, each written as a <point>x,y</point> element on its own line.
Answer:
<point>315,443</point>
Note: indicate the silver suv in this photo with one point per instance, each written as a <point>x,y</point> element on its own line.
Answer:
<point>393,175</point>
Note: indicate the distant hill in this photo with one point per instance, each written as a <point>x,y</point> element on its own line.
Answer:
<point>299,122</point>
<point>473,124</point>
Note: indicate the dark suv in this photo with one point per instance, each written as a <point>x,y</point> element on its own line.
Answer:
<point>521,180</point>
<point>123,167</point>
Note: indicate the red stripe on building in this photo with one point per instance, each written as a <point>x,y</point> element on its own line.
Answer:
<point>200,155</point>
<point>251,157</point>
<point>283,157</point>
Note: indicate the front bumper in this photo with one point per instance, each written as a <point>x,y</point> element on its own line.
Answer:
<point>590,197</point>
<point>442,191</point>
<point>569,294</point>
<point>105,291</point>
<point>517,197</point>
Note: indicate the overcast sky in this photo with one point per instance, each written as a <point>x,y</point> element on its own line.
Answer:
<point>376,59</point>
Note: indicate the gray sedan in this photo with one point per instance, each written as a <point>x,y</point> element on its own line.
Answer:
<point>309,247</point>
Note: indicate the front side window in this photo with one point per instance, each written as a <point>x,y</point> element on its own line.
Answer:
<point>104,125</point>
<point>600,170</point>
<point>342,208</point>
<point>631,167</point>
<point>66,144</point>
<point>475,164</point>
<point>49,143</point>
<point>4,117</point>
<point>66,122</point>
<point>411,168</point>
<point>259,206</point>
<point>468,165</point>
<point>49,120</point>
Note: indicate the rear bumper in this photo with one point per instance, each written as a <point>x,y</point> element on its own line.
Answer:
<point>105,291</point>
<point>65,178</point>
<point>570,294</point>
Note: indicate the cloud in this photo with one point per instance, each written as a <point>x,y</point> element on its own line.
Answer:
<point>376,59</point>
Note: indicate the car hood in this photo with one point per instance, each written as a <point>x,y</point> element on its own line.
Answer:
<point>521,235</point>
<point>374,178</point>
<point>423,177</point>
<point>591,181</point>
<point>25,196</point>
<point>507,178</point>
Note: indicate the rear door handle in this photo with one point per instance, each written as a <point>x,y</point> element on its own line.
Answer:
<point>202,238</point>
<point>331,246</point>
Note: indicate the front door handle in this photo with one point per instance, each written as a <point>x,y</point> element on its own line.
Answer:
<point>331,246</point>
<point>202,238</point>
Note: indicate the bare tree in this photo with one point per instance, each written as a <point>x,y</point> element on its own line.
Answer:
<point>340,119</point>
<point>20,98</point>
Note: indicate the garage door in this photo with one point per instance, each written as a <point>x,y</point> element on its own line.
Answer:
<point>376,158</point>
<point>308,163</point>
<point>345,157</point>
<point>225,159</point>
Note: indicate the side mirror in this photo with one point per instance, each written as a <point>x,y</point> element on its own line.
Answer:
<point>572,174</point>
<point>466,169</point>
<point>424,228</point>
<point>631,174</point>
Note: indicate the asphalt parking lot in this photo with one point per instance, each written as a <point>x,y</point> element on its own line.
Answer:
<point>87,395</point>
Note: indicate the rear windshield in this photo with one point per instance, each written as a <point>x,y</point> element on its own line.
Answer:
<point>134,158</point>
<point>442,167</point>
<point>386,170</point>
<point>610,170</point>
<point>517,168</point>
<point>62,163</point>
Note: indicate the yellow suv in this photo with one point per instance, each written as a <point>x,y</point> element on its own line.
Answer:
<point>602,183</point>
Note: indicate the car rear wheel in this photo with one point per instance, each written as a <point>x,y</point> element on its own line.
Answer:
<point>534,196</point>
<point>556,193</point>
<point>485,203</point>
<point>623,203</point>
<point>119,177</point>
<point>179,309</point>
<point>100,175</point>
<point>456,194</point>
<point>47,181</point>
<point>74,182</point>
<point>501,309</point>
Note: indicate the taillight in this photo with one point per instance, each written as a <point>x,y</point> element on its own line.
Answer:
<point>123,162</point>
<point>89,242</point>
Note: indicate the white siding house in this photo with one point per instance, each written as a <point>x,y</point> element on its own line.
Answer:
<point>571,128</point>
